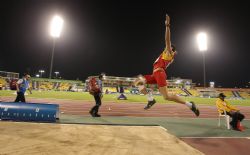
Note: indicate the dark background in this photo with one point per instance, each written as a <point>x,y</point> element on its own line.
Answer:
<point>123,38</point>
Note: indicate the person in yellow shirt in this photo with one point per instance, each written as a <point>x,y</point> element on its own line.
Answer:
<point>230,110</point>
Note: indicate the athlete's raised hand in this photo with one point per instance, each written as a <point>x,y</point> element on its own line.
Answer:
<point>167,22</point>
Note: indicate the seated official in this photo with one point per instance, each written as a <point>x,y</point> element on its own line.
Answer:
<point>230,110</point>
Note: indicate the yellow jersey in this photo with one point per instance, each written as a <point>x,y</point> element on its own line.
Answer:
<point>224,105</point>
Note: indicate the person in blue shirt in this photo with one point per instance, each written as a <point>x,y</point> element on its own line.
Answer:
<point>21,86</point>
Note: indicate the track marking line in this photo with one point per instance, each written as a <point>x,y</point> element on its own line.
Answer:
<point>218,137</point>
<point>163,128</point>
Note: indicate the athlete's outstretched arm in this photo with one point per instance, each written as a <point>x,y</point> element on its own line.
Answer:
<point>167,34</point>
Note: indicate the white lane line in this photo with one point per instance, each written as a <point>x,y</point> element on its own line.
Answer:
<point>218,137</point>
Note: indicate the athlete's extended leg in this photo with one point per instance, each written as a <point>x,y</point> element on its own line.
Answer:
<point>175,98</point>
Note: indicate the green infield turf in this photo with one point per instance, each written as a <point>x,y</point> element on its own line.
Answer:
<point>113,97</point>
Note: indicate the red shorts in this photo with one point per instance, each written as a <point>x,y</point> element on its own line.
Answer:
<point>159,77</point>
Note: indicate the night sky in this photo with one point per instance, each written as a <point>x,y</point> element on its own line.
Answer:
<point>123,38</point>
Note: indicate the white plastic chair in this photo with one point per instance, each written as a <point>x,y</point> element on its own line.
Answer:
<point>227,119</point>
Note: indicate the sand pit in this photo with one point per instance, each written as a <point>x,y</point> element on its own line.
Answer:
<point>57,139</point>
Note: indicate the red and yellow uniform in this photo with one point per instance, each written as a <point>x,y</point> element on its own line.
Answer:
<point>221,105</point>
<point>164,60</point>
<point>159,75</point>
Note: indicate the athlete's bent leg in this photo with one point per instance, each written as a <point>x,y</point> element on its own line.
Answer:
<point>140,83</point>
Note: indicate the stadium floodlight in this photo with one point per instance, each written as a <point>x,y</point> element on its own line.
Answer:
<point>55,31</point>
<point>56,26</point>
<point>56,73</point>
<point>202,43</point>
<point>41,72</point>
<point>37,75</point>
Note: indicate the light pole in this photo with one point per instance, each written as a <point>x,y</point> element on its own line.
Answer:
<point>56,74</point>
<point>41,71</point>
<point>202,43</point>
<point>55,31</point>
